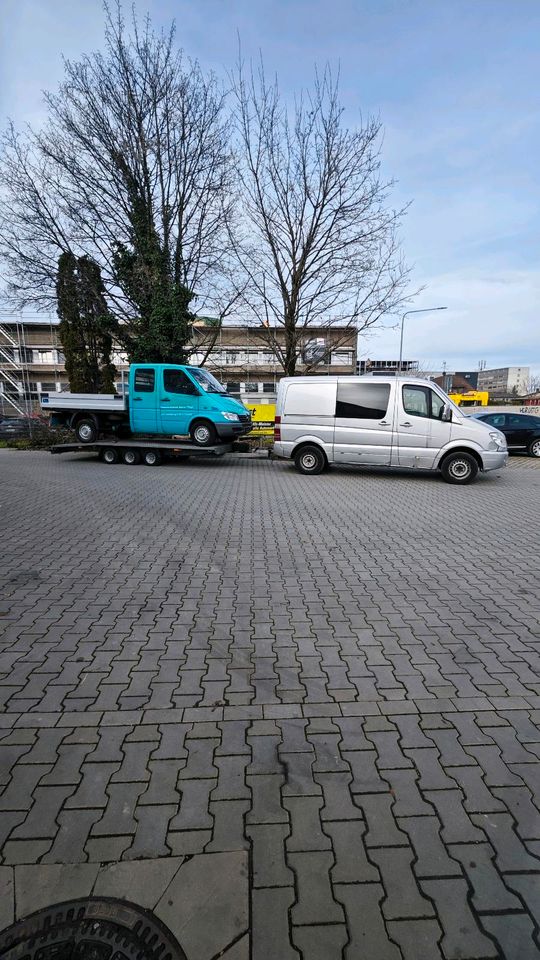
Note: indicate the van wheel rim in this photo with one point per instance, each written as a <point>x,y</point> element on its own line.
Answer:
<point>85,431</point>
<point>460,469</point>
<point>536,448</point>
<point>309,461</point>
<point>202,434</point>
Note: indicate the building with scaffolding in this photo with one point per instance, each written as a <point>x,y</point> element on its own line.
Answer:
<point>32,361</point>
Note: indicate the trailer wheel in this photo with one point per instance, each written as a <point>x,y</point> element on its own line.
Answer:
<point>203,433</point>
<point>152,458</point>
<point>87,430</point>
<point>110,455</point>
<point>131,457</point>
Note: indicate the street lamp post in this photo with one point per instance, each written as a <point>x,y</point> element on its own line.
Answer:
<point>407,314</point>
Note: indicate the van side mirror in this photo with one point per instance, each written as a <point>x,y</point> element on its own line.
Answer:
<point>447,413</point>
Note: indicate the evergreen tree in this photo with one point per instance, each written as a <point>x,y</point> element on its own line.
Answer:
<point>86,326</point>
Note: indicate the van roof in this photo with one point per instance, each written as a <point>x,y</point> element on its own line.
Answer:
<point>333,378</point>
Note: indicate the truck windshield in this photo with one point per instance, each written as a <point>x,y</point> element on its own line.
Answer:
<point>207,381</point>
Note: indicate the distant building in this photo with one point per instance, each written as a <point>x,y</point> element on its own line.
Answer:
<point>32,360</point>
<point>387,368</point>
<point>504,381</point>
<point>470,376</point>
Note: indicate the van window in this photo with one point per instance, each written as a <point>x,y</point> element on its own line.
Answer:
<point>362,401</point>
<point>176,381</point>
<point>314,399</point>
<point>144,380</point>
<point>422,402</point>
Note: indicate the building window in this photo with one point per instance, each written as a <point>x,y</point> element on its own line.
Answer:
<point>269,387</point>
<point>251,387</point>
<point>233,386</point>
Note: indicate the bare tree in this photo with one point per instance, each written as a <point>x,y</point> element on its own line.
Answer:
<point>132,169</point>
<point>532,385</point>
<point>319,245</point>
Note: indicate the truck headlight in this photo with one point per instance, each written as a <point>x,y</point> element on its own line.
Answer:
<point>499,439</point>
<point>229,416</point>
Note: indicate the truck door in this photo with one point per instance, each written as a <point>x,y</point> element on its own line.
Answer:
<point>364,429</point>
<point>142,401</point>
<point>178,402</point>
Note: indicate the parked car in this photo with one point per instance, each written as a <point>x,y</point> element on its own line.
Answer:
<point>522,431</point>
<point>392,422</point>
<point>13,427</point>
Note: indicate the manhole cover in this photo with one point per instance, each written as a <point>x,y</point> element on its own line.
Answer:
<point>90,929</point>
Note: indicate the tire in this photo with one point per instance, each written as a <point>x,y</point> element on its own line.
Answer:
<point>86,430</point>
<point>534,447</point>
<point>203,433</point>
<point>459,468</point>
<point>110,455</point>
<point>131,457</point>
<point>152,458</point>
<point>310,459</point>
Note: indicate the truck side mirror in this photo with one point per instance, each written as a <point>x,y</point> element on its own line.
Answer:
<point>447,413</point>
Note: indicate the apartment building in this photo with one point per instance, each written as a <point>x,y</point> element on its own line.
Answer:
<point>32,360</point>
<point>504,381</point>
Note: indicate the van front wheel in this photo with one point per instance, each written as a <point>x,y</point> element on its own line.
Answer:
<point>203,433</point>
<point>310,459</point>
<point>459,468</point>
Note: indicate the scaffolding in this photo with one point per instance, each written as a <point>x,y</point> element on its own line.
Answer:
<point>14,371</point>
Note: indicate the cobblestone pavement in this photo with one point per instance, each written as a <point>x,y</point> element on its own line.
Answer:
<point>337,676</point>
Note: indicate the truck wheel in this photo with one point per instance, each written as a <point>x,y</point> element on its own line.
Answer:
<point>534,448</point>
<point>203,433</point>
<point>152,458</point>
<point>310,459</point>
<point>459,468</point>
<point>86,430</point>
<point>110,455</point>
<point>131,457</point>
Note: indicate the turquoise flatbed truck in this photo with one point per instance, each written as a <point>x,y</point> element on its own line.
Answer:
<point>165,409</point>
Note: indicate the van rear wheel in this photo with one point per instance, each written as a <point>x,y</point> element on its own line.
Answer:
<point>459,468</point>
<point>310,459</point>
<point>86,430</point>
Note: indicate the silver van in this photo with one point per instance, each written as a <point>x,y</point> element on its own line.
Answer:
<point>387,421</point>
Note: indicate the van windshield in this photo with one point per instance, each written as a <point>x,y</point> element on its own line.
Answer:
<point>205,380</point>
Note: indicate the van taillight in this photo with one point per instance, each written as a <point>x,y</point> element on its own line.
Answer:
<point>277,428</point>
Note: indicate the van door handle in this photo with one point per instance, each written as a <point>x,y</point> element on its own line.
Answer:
<point>384,423</point>
<point>406,424</point>
<point>165,400</point>
<point>137,399</point>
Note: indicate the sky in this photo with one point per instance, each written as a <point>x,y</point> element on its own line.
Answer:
<point>455,84</point>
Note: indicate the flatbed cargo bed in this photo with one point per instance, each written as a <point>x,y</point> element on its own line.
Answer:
<point>172,446</point>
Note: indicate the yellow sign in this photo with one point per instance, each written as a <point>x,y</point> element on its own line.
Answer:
<point>473,398</point>
<point>262,417</point>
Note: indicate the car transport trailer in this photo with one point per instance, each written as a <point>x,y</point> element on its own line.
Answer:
<point>149,452</point>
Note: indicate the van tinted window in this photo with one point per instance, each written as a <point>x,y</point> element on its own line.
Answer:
<point>176,381</point>
<point>420,401</point>
<point>362,401</point>
<point>144,380</point>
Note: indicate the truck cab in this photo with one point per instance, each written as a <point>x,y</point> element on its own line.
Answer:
<point>181,400</point>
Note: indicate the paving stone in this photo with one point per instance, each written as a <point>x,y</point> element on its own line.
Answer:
<point>408,799</point>
<point>19,791</point>
<point>525,813</point>
<point>266,793</point>
<point>432,775</point>
<point>206,903</point>
<point>490,895</point>
<point>315,902</point>
<point>298,772</point>
<point>461,934</point>
<point>432,855</point>
<point>306,833</point>
<point>417,939</point>
<point>458,827</point>
<point>38,886</point>
<point>188,842</point>
<point>194,813</point>
<point>403,899</point>
<point>143,882</point>
<point>351,863</point>
<point>367,931</point>
<point>382,828</point>
<point>477,797</point>
<point>514,933</point>
<point>118,818</point>
<point>70,841</point>
<point>321,942</point>
<point>496,773</point>
<point>231,779</point>
<point>270,924</point>
<point>269,866</point>
<point>7,897</point>
<point>91,792</point>
<point>511,854</point>
<point>25,851</point>
<point>229,826</point>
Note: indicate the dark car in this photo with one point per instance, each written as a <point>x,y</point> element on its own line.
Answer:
<point>521,430</point>
<point>13,427</point>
